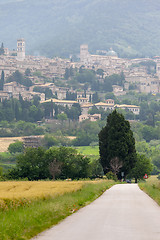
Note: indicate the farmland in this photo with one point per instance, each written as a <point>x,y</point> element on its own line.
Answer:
<point>22,192</point>
<point>40,208</point>
<point>5,142</point>
<point>88,150</point>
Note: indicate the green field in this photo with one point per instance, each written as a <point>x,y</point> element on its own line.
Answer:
<point>88,150</point>
<point>7,161</point>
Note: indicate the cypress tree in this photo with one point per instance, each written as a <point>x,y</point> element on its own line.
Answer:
<point>2,49</point>
<point>2,81</point>
<point>116,141</point>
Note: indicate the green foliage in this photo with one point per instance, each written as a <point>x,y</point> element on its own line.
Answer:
<point>150,66</point>
<point>22,128</point>
<point>35,164</point>
<point>13,109</point>
<point>111,176</point>
<point>143,166</point>
<point>86,133</point>
<point>30,165</point>
<point>74,112</point>
<point>69,72</point>
<point>58,139</point>
<point>20,78</point>
<point>2,81</point>
<point>62,117</point>
<point>111,95</point>
<point>71,96</point>
<point>28,72</point>
<point>95,98</point>
<point>114,79</point>
<point>48,93</point>
<point>49,141</point>
<point>116,140</point>
<point>16,147</point>
<point>96,170</point>
<point>86,76</point>
<point>37,73</point>
<point>100,72</point>
<point>2,49</point>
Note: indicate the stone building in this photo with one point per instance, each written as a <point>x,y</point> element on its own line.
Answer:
<point>32,141</point>
<point>21,49</point>
<point>92,118</point>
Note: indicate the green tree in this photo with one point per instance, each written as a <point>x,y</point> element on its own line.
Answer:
<point>86,76</point>
<point>116,140</point>
<point>74,112</point>
<point>48,93</point>
<point>73,165</point>
<point>38,163</point>
<point>143,166</point>
<point>17,112</point>
<point>20,78</point>
<point>2,81</point>
<point>95,98</point>
<point>67,73</point>
<point>31,165</point>
<point>16,147</point>
<point>49,141</point>
<point>2,49</point>
<point>62,117</point>
<point>28,72</point>
<point>100,72</point>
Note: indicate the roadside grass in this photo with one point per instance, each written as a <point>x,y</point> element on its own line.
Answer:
<point>152,187</point>
<point>88,150</point>
<point>28,220</point>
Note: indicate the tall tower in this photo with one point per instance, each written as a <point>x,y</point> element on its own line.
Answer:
<point>20,49</point>
<point>84,54</point>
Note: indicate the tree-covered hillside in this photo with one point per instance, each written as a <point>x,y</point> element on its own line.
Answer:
<point>59,27</point>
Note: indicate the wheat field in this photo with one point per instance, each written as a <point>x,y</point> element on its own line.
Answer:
<point>37,189</point>
<point>15,194</point>
<point>5,142</point>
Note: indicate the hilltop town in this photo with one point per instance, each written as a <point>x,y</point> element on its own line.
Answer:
<point>141,75</point>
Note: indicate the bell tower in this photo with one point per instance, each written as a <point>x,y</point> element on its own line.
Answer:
<point>84,54</point>
<point>20,49</point>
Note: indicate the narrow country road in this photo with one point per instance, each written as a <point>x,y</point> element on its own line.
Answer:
<point>123,212</point>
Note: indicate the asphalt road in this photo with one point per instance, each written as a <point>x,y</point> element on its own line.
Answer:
<point>123,212</point>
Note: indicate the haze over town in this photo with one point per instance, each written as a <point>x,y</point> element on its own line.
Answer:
<point>79,100</point>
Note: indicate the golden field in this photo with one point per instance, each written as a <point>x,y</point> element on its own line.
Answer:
<point>15,194</point>
<point>5,142</point>
<point>37,189</point>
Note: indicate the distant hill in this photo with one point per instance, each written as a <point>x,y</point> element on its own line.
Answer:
<point>58,27</point>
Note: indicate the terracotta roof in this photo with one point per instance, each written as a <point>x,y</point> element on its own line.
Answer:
<point>126,106</point>
<point>87,105</point>
<point>103,104</point>
<point>58,101</point>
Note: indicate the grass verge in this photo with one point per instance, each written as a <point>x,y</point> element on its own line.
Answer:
<point>29,220</point>
<point>152,188</point>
